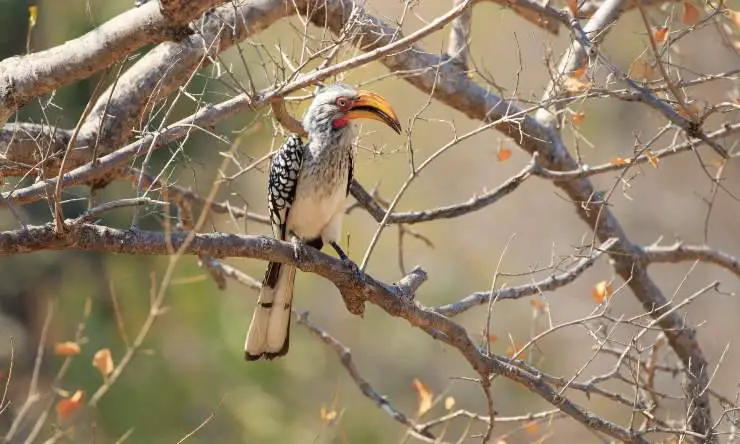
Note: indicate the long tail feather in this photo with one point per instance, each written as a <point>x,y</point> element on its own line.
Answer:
<point>268,333</point>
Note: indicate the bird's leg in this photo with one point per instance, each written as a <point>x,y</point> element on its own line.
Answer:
<point>342,255</point>
<point>359,275</point>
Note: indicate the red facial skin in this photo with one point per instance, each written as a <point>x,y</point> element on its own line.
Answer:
<point>344,105</point>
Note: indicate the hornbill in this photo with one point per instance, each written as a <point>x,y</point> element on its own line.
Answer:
<point>307,187</point>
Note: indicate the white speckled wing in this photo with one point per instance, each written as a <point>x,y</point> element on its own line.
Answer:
<point>285,170</point>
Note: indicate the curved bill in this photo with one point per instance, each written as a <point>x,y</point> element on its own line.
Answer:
<point>369,105</point>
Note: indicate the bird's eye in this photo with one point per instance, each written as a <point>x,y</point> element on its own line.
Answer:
<point>342,102</point>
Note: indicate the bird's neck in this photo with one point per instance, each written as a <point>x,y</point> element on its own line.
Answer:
<point>331,141</point>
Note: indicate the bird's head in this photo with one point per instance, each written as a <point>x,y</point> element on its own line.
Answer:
<point>336,105</point>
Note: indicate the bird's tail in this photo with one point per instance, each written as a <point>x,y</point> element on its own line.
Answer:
<point>268,334</point>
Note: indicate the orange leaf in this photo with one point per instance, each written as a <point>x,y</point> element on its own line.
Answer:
<point>690,112</point>
<point>103,361</point>
<point>734,16</point>
<point>690,14</point>
<point>68,348</point>
<point>577,118</point>
<point>68,406</point>
<point>652,160</point>
<point>503,154</point>
<point>537,304</point>
<point>449,402</point>
<point>601,291</point>
<point>641,70</point>
<point>328,415</point>
<point>660,34</point>
<point>620,161</point>
<point>573,6</point>
<point>532,427</point>
<point>575,85</point>
<point>425,396</point>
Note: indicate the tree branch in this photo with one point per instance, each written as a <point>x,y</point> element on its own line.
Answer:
<point>356,288</point>
<point>549,284</point>
<point>23,78</point>
<point>679,252</point>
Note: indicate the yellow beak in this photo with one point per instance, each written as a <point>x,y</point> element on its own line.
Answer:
<point>369,105</point>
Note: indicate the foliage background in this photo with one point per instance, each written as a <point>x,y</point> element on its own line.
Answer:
<point>195,367</point>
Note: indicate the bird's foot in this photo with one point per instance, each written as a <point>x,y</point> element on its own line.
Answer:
<point>299,248</point>
<point>356,272</point>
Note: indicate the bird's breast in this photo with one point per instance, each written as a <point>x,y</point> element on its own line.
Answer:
<point>320,194</point>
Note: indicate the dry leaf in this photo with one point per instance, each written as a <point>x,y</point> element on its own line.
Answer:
<point>577,118</point>
<point>425,396</point>
<point>601,291</point>
<point>538,305</point>
<point>449,402</point>
<point>103,361</point>
<point>734,16</point>
<point>68,348</point>
<point>68,406</point>
<point>652,160</point>
<point>33,15</point>
<point>661,34</point>
<point>328,415</point>
<point>690,112</point>
<point>503,154</point>
<point>690,15</point>
<point>532,427</point>
<point>575,85</point>
<point>620,161</point>
<point>573,6</point>
<point>641,70</point>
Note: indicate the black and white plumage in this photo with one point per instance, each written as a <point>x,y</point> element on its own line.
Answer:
<point>308,185</point>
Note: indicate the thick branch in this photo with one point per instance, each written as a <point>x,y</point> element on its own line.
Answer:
<point>397,300</point>
<point>23,78</point>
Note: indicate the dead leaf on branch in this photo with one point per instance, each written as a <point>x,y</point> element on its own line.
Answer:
<point>68,406</point>
<point>425,397</point>
<point>103,361</point>
<point>690,15</point>
<point>620,161</point>
<point>601,292</point>
<point>577,118</point>
<point>449,403</point>
<point>660,35</point>
<point>734,16</point>
<point>67,349</point>
<point>328,415</point>
<point>652,160</point>
<point>503,154</point>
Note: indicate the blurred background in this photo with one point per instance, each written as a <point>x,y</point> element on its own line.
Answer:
<point>193,367</point>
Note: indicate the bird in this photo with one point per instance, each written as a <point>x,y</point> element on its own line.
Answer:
<point>307,187</point>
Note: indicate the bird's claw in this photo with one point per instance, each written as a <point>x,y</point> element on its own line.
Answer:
<point>299,248</point>
<point>355,269</point>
